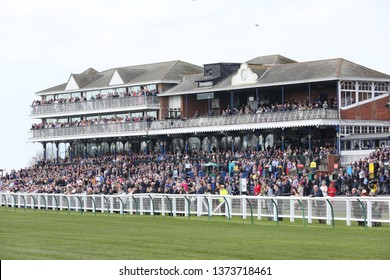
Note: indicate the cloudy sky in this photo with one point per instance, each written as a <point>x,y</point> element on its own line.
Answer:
<point>43,41</point>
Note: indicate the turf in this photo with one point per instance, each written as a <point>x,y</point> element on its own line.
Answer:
<point>51,235</point>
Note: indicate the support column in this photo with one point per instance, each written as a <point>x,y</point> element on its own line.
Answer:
<point>186,106</point>
<point>338,139</point>
<point>309,136</point>
<point>186,143</point>
<point>44,150</point>
<point>99,148</point>
<point>114,148</point>
<point>283,98</point>
<point>71,151</point>
<point>85,149</point>
<point>57,143</point>
<point>282,140</point>
<point>231,101</point>
<point>257,140</point>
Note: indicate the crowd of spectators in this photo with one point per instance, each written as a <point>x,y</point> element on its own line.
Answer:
<point>181,173</point>
<point>357,175</point>
<point>94,121</point>
<point>142,92</point>
<point>288,105</point>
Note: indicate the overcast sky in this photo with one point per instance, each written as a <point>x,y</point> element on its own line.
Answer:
<point>43,41</point>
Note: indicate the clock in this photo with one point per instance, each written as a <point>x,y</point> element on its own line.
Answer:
<point>244,74</point>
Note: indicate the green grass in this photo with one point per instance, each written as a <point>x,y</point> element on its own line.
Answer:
<point>50,235</point>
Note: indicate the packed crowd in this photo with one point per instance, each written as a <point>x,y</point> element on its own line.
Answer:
<point>111,120</point>
<point>288,105</point>
<point>181,173</point>
<point>142,92</point>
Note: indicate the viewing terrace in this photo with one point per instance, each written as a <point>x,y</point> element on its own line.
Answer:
<point>314,117</point>
<point>90,106</point>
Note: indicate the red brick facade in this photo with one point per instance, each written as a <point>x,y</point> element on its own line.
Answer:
<point>375,110</point>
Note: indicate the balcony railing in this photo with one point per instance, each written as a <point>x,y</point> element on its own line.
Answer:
<point>97,129</point>
<point>91,105</point>
<point>247,119</point>
<point>143,126</point>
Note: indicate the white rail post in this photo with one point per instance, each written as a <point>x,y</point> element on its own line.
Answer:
<point>348,214</point>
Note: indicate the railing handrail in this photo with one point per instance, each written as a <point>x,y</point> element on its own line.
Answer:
<point>130,205</point>
<point>146,125</point>
<point>113,102</point>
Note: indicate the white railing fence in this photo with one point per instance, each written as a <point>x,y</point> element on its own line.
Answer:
<point>372,210</point>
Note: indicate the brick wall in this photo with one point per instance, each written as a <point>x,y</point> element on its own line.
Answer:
<point>374,110</point>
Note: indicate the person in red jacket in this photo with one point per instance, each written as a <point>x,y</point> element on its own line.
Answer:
<point>332,190</point>
<point>257,189</point>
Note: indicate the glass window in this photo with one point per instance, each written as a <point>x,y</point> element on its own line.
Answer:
<point>63,96</point>
<point>136,114</point>
<point>348,85</point>
<point>380,89</point>
<point>50,120</point>
<point>62,120</point>
<point>48,97</point>
<point>91,117</point>
<point>89,94</point>
<point>134,90</point>
<point>106,116</point>
<point>152,114</point>
<point>347,98</point>
<point>124,115</point>
<point>365,91</point>
<point>76,94</point>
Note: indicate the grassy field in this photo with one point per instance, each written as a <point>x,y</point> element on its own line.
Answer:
<point>50,235</point>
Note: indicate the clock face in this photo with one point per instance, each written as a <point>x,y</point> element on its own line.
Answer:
<point>243,75</point>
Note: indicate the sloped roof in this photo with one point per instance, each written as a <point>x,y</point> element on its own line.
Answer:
<point>331,69</point>
<point>288,73</point>
<point>170,71</point>
<point>83,80</point>
<point>271,60</point>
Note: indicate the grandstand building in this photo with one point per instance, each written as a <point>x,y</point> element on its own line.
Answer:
<point>170,106</point>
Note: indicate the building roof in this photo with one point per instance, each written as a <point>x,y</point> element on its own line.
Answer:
<point>170,71</point>
<point>287,73</point>
<point>270,60</point>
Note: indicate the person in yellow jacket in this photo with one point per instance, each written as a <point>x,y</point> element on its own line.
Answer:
<point>222,191</point>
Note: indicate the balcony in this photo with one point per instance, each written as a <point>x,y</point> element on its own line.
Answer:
<point>250,121</point>
<point>91,106</point>
<point>201,124</point>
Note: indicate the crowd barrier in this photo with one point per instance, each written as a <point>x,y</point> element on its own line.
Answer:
<point>366,211</point>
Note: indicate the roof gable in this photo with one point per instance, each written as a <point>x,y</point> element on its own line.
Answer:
<point>72,84</point>
<point>116,79</point>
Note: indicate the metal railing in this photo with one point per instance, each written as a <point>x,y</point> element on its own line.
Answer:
<point>288,209</point>
<point>94,105</point>
<point>220,121</point>
<point>96,129</point>
<point>283,116</point>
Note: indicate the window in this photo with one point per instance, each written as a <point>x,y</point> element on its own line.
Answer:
<point>365,91</point>
<point>380,89</point>
<point>63,96</point>
<point>348,85</point>
<point>89,94</point>
<point>49,97</point>
<point>348,98</point>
